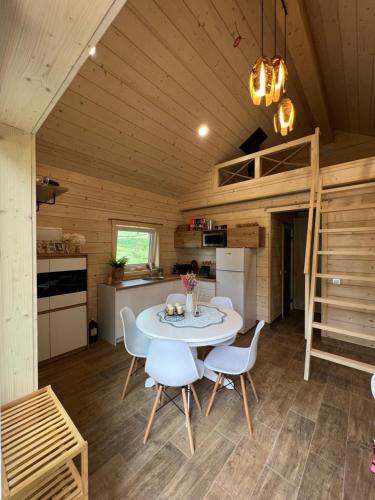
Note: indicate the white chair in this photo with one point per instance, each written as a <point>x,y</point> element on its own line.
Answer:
<point>231,360</point>
<point>227,303</point>
<point>373,385</point>
<point>171,364</point>
<point>135,343</point>
<point>176,297</point>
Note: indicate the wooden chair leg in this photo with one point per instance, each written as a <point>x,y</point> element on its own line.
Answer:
<point>130,371</point>
<point>195,396</point>
<point>162,395</point>
<point>153,411</point>
<point>219,376</point>
<point>246,407</point>
<point>186,410</point>
<point>253,386</point>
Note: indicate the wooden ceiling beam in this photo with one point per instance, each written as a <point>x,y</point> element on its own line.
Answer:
<point>301,48</point>
<point>42,46</point>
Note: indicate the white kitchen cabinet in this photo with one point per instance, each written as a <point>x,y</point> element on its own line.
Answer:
<point>206,290</point>
<point>111,300</point>
<point>44,346</point>
<point>68,330</point>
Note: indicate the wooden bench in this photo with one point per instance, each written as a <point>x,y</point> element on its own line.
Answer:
<point>38,444</point>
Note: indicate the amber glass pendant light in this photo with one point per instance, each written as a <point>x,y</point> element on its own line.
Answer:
<point>284,117</point>
<point>262,78</point>
<point>279,64</point>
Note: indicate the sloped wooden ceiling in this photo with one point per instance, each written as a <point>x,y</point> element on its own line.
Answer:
<point>344,36</point>
<point>162,69</point>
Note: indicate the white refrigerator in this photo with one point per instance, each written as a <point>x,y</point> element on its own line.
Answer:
<point>236,278</point>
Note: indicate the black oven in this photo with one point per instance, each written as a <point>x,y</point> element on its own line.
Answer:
<point>61,283</point>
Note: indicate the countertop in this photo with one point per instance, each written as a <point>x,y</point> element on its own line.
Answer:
<point>124,285</point>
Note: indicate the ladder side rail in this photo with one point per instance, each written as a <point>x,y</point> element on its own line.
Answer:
<point>314,268</point>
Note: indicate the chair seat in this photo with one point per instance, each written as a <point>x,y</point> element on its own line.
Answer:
<point>227,359</point>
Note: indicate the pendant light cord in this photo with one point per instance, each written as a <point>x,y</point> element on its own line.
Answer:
<point>275,26</point>
<point>262,31</point>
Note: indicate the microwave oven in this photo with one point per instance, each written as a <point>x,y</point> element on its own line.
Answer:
<point>214,239</point>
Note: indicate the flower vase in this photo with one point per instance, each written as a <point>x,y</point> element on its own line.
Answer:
<point>189,302</point>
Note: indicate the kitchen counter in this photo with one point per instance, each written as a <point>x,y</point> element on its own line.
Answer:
<point>134,283</point>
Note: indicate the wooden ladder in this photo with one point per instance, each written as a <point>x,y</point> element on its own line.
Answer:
<point>322,207</point>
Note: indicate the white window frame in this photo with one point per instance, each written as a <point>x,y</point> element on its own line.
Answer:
<point>153,254</point>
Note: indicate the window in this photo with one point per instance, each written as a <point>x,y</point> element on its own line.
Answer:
<point>138,244</point>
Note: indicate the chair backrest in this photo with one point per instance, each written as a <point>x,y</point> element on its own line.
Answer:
<point>222,301</point>
<point>373,385</point>
<point>252,357</point>
<point>171,363</point>
<point>176,297</point>
<point>135,342</point>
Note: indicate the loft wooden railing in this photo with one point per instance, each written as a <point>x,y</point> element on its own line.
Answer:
<point>265,154</point>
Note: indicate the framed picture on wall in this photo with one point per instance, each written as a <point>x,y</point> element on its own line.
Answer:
<point>59,247</point>
<point>51,247</point>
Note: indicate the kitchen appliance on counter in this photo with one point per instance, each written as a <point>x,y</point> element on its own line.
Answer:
<point>236,279</point>
<point>182,268</point>
<point>214,238</point>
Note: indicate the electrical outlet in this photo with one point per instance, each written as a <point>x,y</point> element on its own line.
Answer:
<point>336,281</point>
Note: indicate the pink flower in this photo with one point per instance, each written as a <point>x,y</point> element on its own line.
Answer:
<point>189,281</point>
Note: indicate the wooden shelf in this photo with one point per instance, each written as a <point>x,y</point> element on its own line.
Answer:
<point>39,442</point>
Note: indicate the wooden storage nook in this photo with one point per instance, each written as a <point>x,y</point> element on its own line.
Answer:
<point>38,444</point>
<point>188,239</point>
<point>245,237</point>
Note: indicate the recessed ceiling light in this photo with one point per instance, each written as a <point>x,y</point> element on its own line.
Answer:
<point>203,130</point>
<point>92,51</point>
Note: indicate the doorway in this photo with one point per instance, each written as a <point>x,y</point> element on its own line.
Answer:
<point>287,254</point>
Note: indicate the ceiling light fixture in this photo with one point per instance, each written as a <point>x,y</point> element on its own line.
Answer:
<point>279,64</point>
<point>284,117</point>
<point>262,78</point>
<point>203,130</point>
<point>92,51</point>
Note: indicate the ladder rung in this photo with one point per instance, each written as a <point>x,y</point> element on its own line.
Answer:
<point>346,277</point>
<point>341,360</point>
<point>348,188</point>
<point>341,331</point>
<point>365,229</point>
<point>348,207</point>
<point>345,303</point>
<point>347,252</point>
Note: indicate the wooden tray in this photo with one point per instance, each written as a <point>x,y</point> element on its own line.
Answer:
<point>39,441</point>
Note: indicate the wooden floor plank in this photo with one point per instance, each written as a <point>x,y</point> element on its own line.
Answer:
<point>330,435</point>
<point>227,462</point>
<point>322,480</point>
<point>293,442</point>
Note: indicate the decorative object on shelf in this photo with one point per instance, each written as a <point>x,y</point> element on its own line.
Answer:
<point>262,77</point>
<point>190,282</point>
<point>284,117</point>
<point>73,242</point>
<point>118,268</point>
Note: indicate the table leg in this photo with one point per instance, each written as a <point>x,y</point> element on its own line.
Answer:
<point>150,382</point>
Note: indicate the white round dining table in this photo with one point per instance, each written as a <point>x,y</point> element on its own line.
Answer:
<point>150,323</point>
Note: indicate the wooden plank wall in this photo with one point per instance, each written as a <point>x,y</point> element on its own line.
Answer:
<point>18,360</point>
<point>251,211</point>
<point>359,292</point>
<point>88,208</point>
